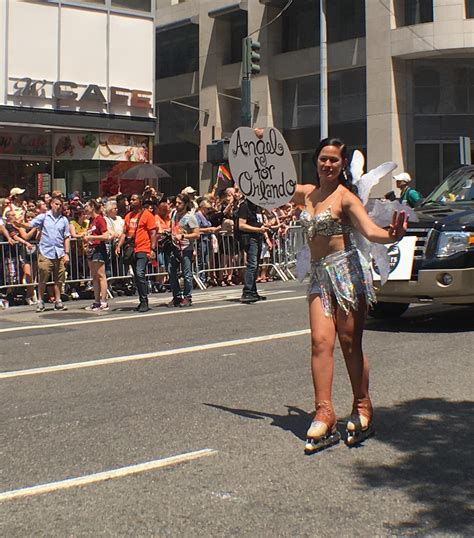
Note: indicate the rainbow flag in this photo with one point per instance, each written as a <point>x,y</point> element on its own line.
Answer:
<point>223,174</point>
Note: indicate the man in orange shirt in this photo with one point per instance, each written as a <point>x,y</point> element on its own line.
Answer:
<point>140,227</point>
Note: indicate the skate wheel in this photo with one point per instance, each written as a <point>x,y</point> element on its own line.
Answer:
<point>315,445</point>
<point>357,437</point>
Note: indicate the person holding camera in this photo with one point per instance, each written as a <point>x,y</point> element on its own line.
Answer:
<point>140,234</point>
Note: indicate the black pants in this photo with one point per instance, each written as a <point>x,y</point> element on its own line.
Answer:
<point>139,266</point>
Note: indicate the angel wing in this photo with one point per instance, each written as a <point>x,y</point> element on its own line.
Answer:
<point>357,166</point>
<point>368,181</point>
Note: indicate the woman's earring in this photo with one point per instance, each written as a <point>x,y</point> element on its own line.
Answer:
<point>344,173</point>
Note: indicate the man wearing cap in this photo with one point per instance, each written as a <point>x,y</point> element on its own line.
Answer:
<point>408,194</point>
<point>16,204</point>
<point>189,191</point>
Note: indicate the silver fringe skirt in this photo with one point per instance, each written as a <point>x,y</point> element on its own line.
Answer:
<point>341,279</point>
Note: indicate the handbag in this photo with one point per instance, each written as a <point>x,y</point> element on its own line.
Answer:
<point>128,252</point>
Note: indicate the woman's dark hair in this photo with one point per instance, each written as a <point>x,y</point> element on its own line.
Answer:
<point>345,177</point>
<point>94,204</point>
<point>188,204</point>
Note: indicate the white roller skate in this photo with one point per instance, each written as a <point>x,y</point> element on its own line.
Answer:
<point>359,426</point>
<point>322,433</point>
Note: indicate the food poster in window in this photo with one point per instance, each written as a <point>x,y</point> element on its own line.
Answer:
<point>101,146</point>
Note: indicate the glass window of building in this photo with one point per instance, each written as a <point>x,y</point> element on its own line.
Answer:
<point>345,19</point>
<point>300,25</point>
<point>301,102</point>
<point>136,5</point>
<point>410,12</point>
<point>177,51</point>
<point>347,95</point>
<point>237,23</point>
<point>470,9</point>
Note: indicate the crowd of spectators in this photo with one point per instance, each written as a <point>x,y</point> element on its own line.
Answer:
<point>217,256</point>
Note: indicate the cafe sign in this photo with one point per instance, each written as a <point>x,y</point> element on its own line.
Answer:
<point>69,93</point>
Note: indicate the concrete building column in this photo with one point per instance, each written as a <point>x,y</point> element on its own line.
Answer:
<point>387,99</point>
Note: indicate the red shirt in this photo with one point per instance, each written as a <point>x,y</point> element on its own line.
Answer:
<point>145,226</point>
<point>97,226</point>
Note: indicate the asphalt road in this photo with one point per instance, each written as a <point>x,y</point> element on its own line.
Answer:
<point>83,394</point>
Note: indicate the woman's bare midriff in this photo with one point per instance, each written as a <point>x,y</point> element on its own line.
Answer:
<point>321,246</point>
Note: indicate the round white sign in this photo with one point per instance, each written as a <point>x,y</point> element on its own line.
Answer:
<point>262,168</point>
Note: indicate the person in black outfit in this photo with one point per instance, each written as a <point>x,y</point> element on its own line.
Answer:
<point>251,231</point>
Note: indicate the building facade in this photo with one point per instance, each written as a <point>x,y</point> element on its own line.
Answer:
<point>77,103</point>
<point>401,81</point>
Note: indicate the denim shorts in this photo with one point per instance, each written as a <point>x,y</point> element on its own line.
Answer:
<point>98,255</point>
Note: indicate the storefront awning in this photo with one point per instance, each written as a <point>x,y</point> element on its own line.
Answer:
<point>30,117</point>
<point>177,24</point>
<point>228,9</point>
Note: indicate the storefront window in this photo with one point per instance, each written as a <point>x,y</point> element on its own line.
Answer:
<point>30,174</point>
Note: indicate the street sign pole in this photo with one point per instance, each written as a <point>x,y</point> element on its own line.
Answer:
<point>323,72</point>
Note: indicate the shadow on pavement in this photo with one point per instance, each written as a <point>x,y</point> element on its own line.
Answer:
<point>427,320</point>
<point>295,420</point>
<point>435,468</point>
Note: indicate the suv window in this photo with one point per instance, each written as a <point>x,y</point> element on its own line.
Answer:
<point>457,187</point>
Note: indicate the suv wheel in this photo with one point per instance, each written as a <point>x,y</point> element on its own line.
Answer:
<point>388,310</point>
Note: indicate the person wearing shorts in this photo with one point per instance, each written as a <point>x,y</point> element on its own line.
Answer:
<point>97,256</point>
<point>53,250</point>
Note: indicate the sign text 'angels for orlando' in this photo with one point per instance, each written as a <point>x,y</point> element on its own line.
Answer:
<point>263,168</point>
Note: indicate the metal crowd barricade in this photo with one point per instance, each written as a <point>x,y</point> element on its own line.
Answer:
<point>216,256</point>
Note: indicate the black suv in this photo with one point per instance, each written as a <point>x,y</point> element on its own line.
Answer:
<point>443,268</point>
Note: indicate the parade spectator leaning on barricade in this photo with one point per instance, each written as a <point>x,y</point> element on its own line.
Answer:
<point>115,224</point>
<point>191,193</point>
<point>16,204</point>
<point>204,250</point>
<point>95,240</point>
<point>17,257</point>
<point>163,230</point>
<point>53,251</point>
<point>185,230</point>
<point>139,241</point>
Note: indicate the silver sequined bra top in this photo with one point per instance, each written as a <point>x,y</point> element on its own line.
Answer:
<point>323,224</point>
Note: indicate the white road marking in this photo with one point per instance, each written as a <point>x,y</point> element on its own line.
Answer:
<point>152,355</point>
<point>106,475</point>
<point>202,297</point>
<point>108,319</point>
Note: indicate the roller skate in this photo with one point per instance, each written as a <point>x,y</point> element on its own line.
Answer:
<point>359,426</point>
<point>322,433</point>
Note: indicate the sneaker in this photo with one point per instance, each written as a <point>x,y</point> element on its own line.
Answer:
<point>247,299</point>
<point>31,301</point>
<point>40,307</point>
<point>174,303</point>
<point>93,307</point>
<point>186,302</point>
<point>103,307</point>
<point>60,306</point>
<point>260,297</point>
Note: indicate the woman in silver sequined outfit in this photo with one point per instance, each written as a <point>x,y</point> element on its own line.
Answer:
<point>340,289</point>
